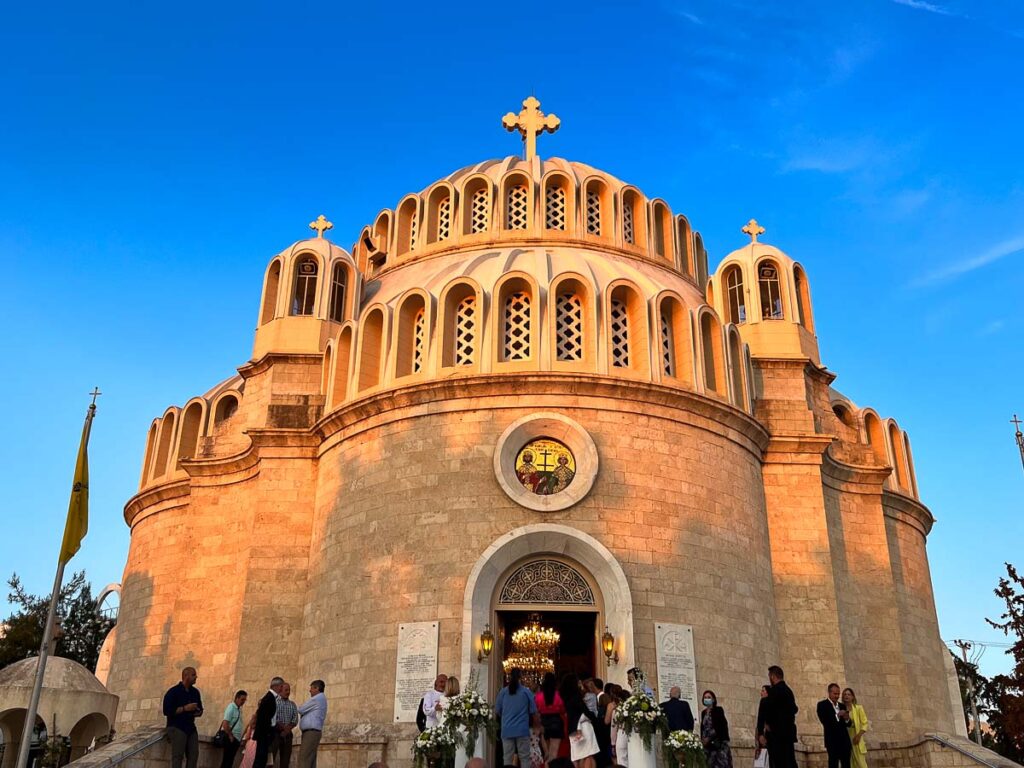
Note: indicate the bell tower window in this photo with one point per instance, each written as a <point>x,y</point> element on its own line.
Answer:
<point>304,295</point>
<point>771,293</point>
<point>337,309</point>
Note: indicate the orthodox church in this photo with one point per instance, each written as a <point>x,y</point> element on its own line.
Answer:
<point>522,399</point>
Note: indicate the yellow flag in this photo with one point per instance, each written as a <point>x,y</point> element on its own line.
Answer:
<point>78,509</point>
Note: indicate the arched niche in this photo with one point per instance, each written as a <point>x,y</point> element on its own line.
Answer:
<point>674,342</point>
<point>572,320</point>
<point>712,354</point>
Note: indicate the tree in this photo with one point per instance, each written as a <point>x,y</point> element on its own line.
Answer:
<point>83,630</point>
<point>969,678</point>
<point>1006,692</point>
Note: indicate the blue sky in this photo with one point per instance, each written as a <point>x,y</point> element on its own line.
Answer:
<point>153,157</point>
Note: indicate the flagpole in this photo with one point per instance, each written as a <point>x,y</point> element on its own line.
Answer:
<point>37,688</point>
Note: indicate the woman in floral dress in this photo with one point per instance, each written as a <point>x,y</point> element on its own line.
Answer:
<point>714,732</point>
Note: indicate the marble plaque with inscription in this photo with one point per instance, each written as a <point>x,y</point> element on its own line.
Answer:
<point>676,665</point>
<point>416,667</point>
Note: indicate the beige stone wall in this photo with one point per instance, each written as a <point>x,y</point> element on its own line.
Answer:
<point>922,647</point>
<point>407,501</point>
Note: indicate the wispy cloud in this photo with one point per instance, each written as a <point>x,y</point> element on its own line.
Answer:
<point>835,155</point>
<point>690,17</point>
<point>990,328</point>
<point>957,268</point>
<point>922,5</point>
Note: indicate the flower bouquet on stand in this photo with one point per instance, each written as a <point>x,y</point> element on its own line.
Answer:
<point>433,746</point>
<point>469,717</point>
<point>684,749</point>
<point>641,718</point>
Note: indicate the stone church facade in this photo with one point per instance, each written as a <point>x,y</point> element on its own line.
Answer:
<point>366,469</point>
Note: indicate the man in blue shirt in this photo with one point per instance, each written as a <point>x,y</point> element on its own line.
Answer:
<point>182,705</point>
<point>517,710</point>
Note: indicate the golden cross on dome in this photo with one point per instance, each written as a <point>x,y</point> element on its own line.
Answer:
<point>530,123</point>
<point>753,229</point>
<point>321,225</point>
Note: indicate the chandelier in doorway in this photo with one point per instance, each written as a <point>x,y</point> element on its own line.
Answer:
<point>533,647</point>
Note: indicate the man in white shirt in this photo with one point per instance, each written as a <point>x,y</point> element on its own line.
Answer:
<point>432,700</point>
<point>312,714</point>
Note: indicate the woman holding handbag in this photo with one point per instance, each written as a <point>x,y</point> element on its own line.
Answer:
<point>230,731</point>
<point>859,723</point>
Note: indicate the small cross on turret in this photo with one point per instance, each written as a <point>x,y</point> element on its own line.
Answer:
<point>321,225</point>
<point>753,229</point>
<point>530,122</point>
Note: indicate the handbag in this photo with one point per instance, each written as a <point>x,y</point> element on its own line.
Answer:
<point>220,739</point>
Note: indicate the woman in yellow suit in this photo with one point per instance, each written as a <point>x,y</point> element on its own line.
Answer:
<point>859,723</point>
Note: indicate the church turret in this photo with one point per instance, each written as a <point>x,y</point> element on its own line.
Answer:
<point>766,294</point>
<point>309,290</point>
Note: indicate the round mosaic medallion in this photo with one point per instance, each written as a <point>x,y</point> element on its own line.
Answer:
<point>545,466</point>
<point>545,461</point>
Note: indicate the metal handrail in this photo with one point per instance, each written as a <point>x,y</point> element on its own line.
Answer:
<point>145,744</point>
<point>956,747</point>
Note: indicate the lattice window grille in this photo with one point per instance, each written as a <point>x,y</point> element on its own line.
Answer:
<point>517,326</point>
<point>569,327</point>
<point>465,331</point>
<point>517,208</point>
<point>444,219</point>
<point>554,215</point>
<point>620,334</point>
<point>480,211</point>
<point>414,227</point>
<point>627,223</point>
<point>546,582</point>
<point>419,337</point>
<point>667,362</point>
<point>593,212</point>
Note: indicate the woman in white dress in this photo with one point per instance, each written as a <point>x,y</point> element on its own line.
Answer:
<point>582,739</point>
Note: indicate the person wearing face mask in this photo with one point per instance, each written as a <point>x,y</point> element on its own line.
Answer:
<point>714,732</point>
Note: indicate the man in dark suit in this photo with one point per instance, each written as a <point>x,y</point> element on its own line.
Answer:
<point>780,721</point>
<point>678,712</point>
<point>266,721</point>
<point>835,722</point>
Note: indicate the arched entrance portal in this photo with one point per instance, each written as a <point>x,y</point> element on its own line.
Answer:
<point>557,594</point>
<point>498,579</point>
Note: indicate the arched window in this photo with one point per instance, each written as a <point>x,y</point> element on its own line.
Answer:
<point>803,299</point>
<point>325,372</point>
<point>554,207</point>
<point>164,443</point>
<point>627,221</point>
<point>227,407</point>
<point>370,349</point>
<point>466,324</point>
<point>517,207</point>
<point>619,319</point>
<point>714,364</point>
<point>593,210</point>
<point>675,356</point>
<point>668,359</point>
<point>735,296</point>
<point>304,295</point>
<point>770,291</point>
<point>899,458</point>
<point>516,326</point>
<point>337,308</point>
<point>876,438</point>
<point>444,219</point>
<point>569,326</point>
<point>191,427</point>
<point>342,358</point>
<point>480,213</point>
<point>412,336</point>
<point>662,230</point>
<point>684,235</point>
<point>739,388</point>
<point>270,292</point>
<point>408,224</point>
<point>150,458</point>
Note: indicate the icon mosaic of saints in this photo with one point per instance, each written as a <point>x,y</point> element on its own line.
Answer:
<point>545,466</point>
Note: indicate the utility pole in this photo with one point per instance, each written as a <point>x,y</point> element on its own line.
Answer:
<point>1020,437</point>
<point>965,646</point>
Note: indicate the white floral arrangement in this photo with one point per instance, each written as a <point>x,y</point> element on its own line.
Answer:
<point>641,714</point>
<point>433,743</point>
<point>470,711</point>
<point>684,748</point>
